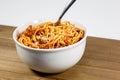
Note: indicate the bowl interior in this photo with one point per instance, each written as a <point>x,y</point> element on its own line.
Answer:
<point>21,28</point>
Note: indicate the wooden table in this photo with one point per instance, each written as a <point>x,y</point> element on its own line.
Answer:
<point>101,61</point>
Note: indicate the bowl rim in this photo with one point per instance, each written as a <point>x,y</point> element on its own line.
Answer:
<point>54,49</point>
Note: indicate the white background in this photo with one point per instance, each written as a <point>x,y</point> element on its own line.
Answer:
<point>101,17</point>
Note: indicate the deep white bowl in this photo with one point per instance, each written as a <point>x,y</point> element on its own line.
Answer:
<point>50,60</point>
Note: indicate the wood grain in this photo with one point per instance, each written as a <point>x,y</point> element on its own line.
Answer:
<point>101,61</point>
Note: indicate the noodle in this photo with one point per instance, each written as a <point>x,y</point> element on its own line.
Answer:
<point>47,35</point>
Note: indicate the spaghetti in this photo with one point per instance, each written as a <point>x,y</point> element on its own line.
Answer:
<point>48,36</point>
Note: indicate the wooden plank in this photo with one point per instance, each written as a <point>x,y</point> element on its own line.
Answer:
<point>100,61</point>
<point>6,31</point>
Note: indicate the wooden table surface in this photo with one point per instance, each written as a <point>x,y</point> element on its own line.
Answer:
<point>101,61</point>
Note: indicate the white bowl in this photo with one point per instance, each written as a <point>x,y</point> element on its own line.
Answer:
<point>50,60</point>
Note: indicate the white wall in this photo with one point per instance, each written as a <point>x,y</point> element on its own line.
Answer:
<point>101,17</point>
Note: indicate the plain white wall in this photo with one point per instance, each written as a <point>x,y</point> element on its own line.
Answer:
<point>101,17</point>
